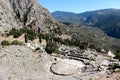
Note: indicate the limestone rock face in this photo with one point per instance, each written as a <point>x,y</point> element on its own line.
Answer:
<point>21,13</point>
<point>7,19</point>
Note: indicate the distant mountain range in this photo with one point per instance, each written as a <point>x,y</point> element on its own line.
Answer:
<point>67,17</point>
<point>107,20</point>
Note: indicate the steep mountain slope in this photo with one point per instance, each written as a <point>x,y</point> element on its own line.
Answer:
<point>108,21</point>
<point>28,13</point>
<point>102,14</point>
<point>21,13</point>
<point>94,36</point>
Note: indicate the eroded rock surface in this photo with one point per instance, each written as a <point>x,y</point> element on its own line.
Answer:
<point>21,13</point>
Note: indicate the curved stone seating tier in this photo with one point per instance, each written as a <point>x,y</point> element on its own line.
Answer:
<point>66,67</point>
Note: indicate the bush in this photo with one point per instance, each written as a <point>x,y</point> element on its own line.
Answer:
<point>22,30</point>
<point>83,45</point>
<point>40,38</point>
<point>76,43</point>
<point>51,47</point>
<point>47,37</point>
<point>26,38</point>
<point>16,33</point>
<point>31,35</point>
<point>15,42</point>
<point>57,39</point>
<point>66,42</point>
<point>5,43</point>
<point>117,55</point>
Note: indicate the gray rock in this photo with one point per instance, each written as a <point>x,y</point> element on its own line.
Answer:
<point>21,13</point>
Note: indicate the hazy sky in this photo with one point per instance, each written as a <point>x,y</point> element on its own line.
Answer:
<point>79,5</point>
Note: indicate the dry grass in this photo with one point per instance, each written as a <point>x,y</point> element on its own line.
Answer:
<point>64,36</point>
<point>10,38</point>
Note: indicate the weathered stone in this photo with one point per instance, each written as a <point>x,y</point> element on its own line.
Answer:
<point>24,13</point>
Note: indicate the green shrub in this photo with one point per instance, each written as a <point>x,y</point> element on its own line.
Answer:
<point>5,43</point>
<point>51,47</point>
<point>40,38</point>
<point>22,30</point>
<point>117,55</point>
<point>15,42</point>
<point>66,42</point>
<point>76,43</point>
<point>47,37</point>
<point>57,39</point>
<point>31,35</point>
<point>42,35</point>
<point>59,30</point>
<point>83,45</point>
<point>26,38</point>
<point>16,33</point>
<point>12,31</point>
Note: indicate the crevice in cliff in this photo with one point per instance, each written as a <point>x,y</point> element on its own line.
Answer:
<point>25,16</point>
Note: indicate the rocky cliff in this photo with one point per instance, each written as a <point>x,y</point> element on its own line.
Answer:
<point>24,13</point>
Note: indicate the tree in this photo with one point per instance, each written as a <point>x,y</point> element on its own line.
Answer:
<point>117,55</point>
<point>16,33</point>
<point>31,35</point>
<point>40,38</point>
<point>47,37</point>
<point>83,45</point>
<point>26,38</point>
<point>57,39</point>
<point>51,47</point>
<point>5,43</point>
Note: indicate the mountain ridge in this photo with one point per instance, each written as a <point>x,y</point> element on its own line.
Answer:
<point>105,19</point>
<point>86,13</point>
